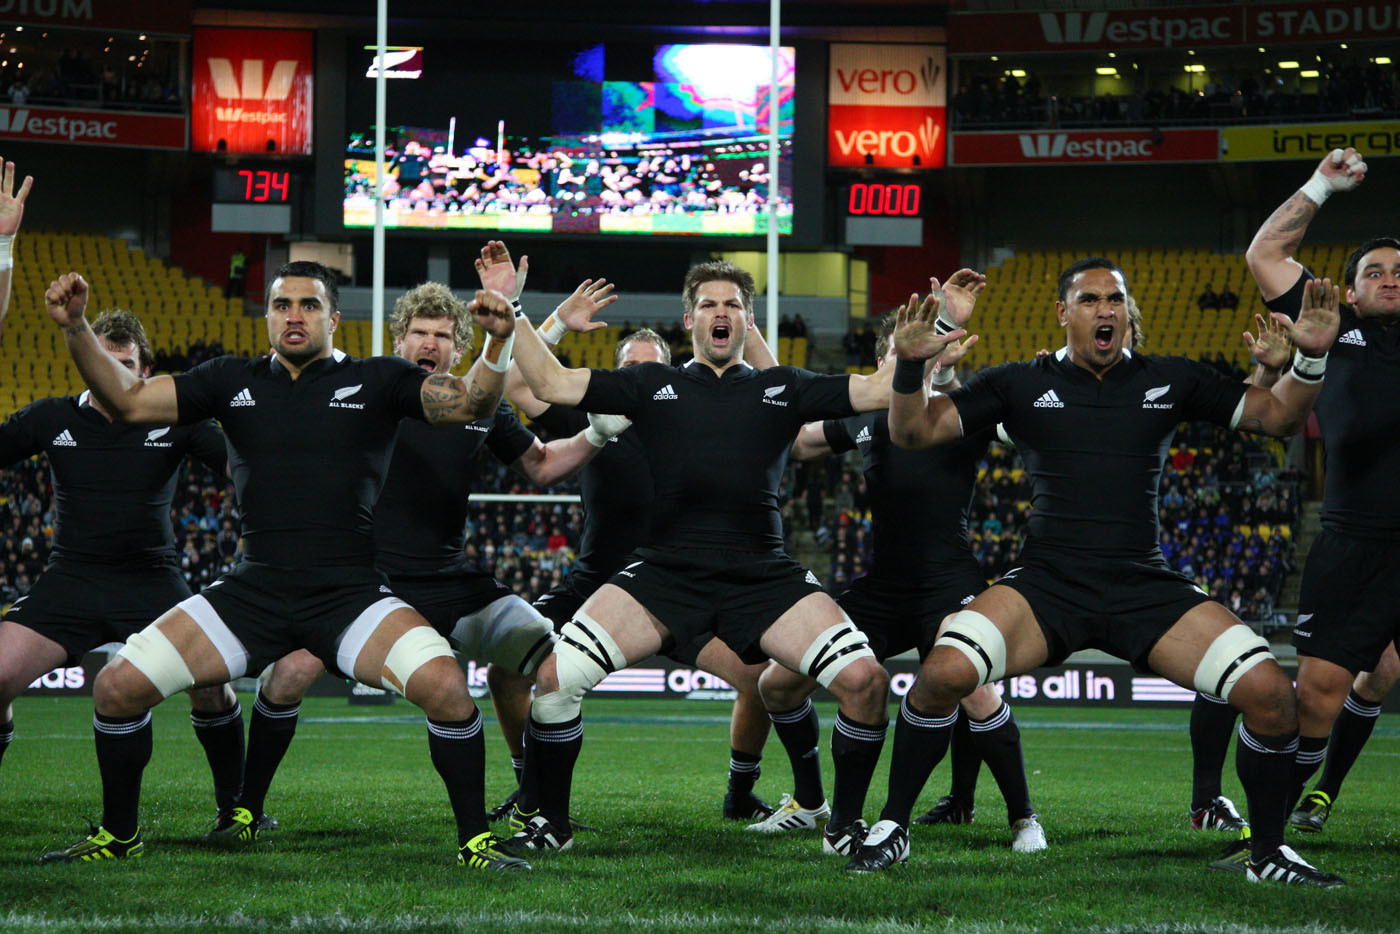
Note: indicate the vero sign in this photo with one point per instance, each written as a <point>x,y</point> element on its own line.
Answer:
<point>887,106</point>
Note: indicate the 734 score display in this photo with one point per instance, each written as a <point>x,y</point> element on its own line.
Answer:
<point>884,199</point>
<point>254,186</point>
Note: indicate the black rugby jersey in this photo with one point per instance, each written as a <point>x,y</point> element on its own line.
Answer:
<point>1358,411</point>
<point>919,499</point>
<point>717,445</point>
<point>113,482</point>
<point>616,489</point>
<point>308,456</point>
<point>1094,450</point>
<point>420,519</point>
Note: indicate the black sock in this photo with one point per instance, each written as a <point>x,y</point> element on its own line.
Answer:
<point>1212,725</point>
<point>1349,734</point>
<point>1265,767</point>
<point>920,742</point>
<point>270,732</point>
<point>458,751</point>
<point>517,765</point>
<point>999,740</point>
<point>1311,751</point>
<point>7,735</point>
<point>743,771</point>
<point>855,751</point>
<point>551,750</point>
<point>798,731</point>
<point>966,763</point>
<point>221,735</point>
<point>123,749</point>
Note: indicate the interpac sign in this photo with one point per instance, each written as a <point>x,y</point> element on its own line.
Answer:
<point>1060,147</point>
<point>887,106</point>
<point>92,127</point>
<point>1309,141</point>
<point>252,91</point>
<point>1174,27</point>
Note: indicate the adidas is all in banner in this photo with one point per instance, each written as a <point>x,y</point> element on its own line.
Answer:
<point>252,91</point>
<point>1086,147</point>
<point>92,127</point>
<point>887,106</point>
<point>1172,27</point>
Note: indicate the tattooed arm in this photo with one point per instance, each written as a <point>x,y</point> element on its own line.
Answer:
<point>1271,253</point>
<point>456,400</point>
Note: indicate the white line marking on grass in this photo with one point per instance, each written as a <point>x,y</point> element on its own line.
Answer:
<point>668,921</point>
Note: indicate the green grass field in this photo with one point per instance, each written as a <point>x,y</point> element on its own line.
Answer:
<point>366,842</point>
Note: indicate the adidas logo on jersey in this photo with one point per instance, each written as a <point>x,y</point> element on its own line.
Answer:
<point>153,438</point>
<point>244,397</point>
<point>1049,401</point>
<point>863,436</point>
<point>345,392</point>
<point>812,579</point>
<point>1149,398</point>
<point>772,392</point>
<point>1353,337</point>
<point>64,439</point>
<point>665,392</point>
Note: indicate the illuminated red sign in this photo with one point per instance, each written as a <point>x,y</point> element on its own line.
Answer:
<point>92,127</point>
<point>887,106</point>
<point>1060,147</point>
<point>252,91</point>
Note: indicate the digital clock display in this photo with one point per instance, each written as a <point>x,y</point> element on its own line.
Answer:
<point>875,199</point>
<point>254,186</point>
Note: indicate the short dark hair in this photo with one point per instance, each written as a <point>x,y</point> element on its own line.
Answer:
<point>885,336</point>
<point>121,327</point>
<point>1078,266</point>
<point>644,334</point>
<point>1354,260</point>
<point>305,269</point>
<point>717,271</point>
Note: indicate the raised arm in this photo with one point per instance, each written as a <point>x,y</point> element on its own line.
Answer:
<point>1283,409</point>
<point>1271,351</point>
<point>918,420</point>
<point>757,353</point>
<point>11,213</point>
<point>575,313</point>
<point>550,381</point>
<point>126,396</point>
<point>548,464</point>
<point>1270,254</point>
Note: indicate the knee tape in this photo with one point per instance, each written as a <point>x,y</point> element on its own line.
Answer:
<point>584,655</point>
<point>156,658</point>
<point>978,638</point>
<point>833,650</point>
<point>412,651</point>
<point>507,632</point>
<point>1234,652</point>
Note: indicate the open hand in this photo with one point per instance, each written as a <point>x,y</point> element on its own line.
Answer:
<point>591,297</point>
<point>498,273</point>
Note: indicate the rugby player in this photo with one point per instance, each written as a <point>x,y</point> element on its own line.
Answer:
<point>922,569</point>
<point>1092,424</point>
<point>717,433</point>
<point>115,562</point>
<point>419,537</point>
<point>616,490</point>
<point>310,431</point>
<point>1347,610</point>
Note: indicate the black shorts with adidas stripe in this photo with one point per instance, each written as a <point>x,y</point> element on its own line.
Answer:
<point>447,595</point>
<point>735,595</point>
<point>898,615</point>
<point>272,611</point>
<point>82,605</point>
<point>1083,601</point>
<point>1349,606</point>
<point>561,603</point>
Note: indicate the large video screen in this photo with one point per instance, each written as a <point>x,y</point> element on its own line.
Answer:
<point>672,142</point>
